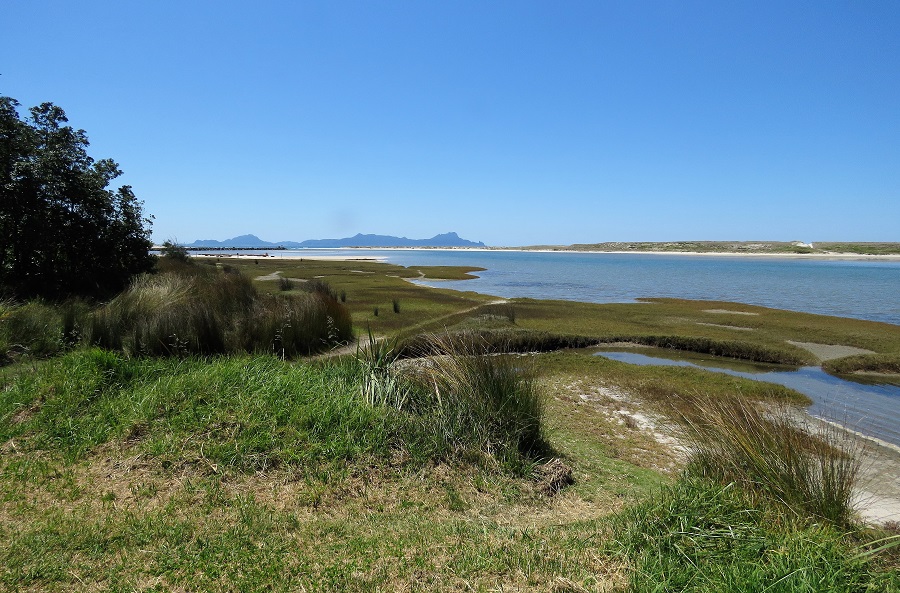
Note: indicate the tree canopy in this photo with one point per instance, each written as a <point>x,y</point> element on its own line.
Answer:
<point>62,231</point>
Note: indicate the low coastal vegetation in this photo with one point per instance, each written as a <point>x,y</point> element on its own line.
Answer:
<point>178,437</point>
<point>865,363</point>
<point>759,247</point>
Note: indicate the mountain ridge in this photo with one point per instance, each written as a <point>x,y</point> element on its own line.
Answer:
<point>450,239</point>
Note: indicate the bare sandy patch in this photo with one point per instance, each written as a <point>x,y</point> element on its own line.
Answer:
<point>829,351</point>
<point>729,311</point>
<point>276,275</point>
<point>734,327</point>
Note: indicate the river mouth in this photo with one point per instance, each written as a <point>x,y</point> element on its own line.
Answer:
<point>865,404</point>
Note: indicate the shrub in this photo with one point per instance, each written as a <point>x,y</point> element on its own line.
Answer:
<point>286,284</point>
<point>396,305</point>
<point>172,251</point>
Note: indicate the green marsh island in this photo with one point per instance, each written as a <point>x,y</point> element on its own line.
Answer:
<point>240,424</point>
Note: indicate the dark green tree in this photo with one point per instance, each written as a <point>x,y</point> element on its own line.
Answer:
<point>62,231</point>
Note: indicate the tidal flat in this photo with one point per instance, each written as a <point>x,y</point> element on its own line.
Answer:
<point>253,473</point>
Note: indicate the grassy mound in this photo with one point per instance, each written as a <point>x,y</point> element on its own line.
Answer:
<point>258,413</point>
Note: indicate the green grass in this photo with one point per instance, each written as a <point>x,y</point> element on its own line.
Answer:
<point>764,330</point>
<point>769,454</point>
<point>368,285</point>
<point>251,473</point>
<point>202,310</point>
<point>254,473</point>
<point>699,536</point>
<point>864,363</point>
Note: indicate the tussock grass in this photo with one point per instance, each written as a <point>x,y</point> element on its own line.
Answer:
<point>502,310</point>
<point>473,405</point>
<point>34,328</point>
<point>486,403</point>
<point>286,284</point>
<point>201,310</point>
<point>772,455</point>
<point>41,329</point>
<point>701,536</point>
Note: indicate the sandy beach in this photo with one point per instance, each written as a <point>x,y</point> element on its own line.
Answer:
<point>358,253</point>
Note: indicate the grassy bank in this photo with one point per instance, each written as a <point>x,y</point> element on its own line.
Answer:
<point>468,469</point>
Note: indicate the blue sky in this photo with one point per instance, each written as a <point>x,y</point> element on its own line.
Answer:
<point>512,123</point>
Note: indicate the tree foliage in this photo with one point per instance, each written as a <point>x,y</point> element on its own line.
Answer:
<point>62,232</point>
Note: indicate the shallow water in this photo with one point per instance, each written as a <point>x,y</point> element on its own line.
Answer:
<point>872,409</point>
<point>863,289</point>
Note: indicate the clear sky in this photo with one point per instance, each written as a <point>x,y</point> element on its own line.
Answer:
<point>512,123</point>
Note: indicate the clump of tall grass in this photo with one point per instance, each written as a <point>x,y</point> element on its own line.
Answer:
<point>490,403</point>
<point>470,403</point>
<point>500,310</point>
<point>293,326</point>
<point>40,329</point>
<point>198,310</point>
<point>382,382</point>
<point>772,455</point>
<point>319,286</point>
<point>698,535</point>
<point>286,284</point>
<point>34,328</point>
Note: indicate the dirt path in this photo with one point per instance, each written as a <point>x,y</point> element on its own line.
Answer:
<point>358,344</point>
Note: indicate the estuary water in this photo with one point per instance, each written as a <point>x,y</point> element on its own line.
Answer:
<point>871,409</point>
<point>863,289</point>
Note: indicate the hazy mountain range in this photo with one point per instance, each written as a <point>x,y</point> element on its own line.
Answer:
<point>359,240</point>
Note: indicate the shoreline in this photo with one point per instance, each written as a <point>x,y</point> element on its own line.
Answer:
<point>310,253</point>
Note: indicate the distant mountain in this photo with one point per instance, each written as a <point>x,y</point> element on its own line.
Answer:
<point>359,240</point>
<point>242,241</point>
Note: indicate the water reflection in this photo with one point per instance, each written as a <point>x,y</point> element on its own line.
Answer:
<point>868,406</point>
